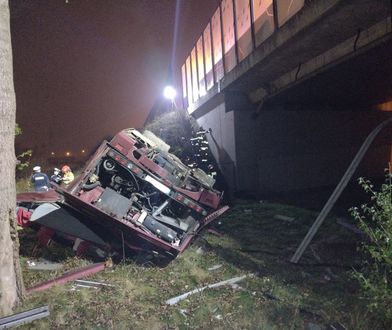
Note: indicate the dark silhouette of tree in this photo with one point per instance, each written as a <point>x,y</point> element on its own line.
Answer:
<point>11,283</point>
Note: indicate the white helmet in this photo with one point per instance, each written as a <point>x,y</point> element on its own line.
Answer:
<point>37,169</point>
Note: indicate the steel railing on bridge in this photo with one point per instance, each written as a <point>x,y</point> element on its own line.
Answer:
<point>236,28</point>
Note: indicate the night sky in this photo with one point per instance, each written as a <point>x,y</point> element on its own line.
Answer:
<point>84,70</point>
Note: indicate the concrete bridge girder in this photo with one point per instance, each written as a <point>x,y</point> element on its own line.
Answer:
<point>380,34</point>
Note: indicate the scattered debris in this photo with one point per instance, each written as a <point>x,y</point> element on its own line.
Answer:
<point>257,251</point>
<point>218,317</point>
<point>70,276</point>
<point>349,226</point>
<point>24,317</point>
<point>201,250</point>
<point>89,285</point>
<point>270,296</point>
<point>337,326</point>
<point>175,300</point>
<point>331,273</point>
<point>313,326</point>
<point>215,232</point>
<point>43,264</point>
<point>184,312</point>
<point>79,287</point>
<point>215,267</point>
<point>235,286</point>
<point>84,282</point>
<point>284,217</point>
<point>313,249</point>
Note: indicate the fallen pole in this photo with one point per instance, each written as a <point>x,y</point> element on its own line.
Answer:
<point>92,283</point>
<point>71,276</point>
<point>78,284</point>
<point>24,317</point>
<point>338,190</point>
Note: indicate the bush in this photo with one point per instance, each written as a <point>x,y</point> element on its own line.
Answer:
<point>375,219</point>
<point>176,129</point>
<point>22,161</point>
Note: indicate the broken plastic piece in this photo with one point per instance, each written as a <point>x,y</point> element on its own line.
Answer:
<point>43,264</point>
<point>215,267</point>
<point>175,300</point>
<point>284,217</point>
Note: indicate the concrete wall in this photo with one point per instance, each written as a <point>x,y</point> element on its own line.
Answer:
<point>280,151</point>
<point>247,173</point>
<point>301,150</point>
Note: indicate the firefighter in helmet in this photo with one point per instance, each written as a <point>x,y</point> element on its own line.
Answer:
<point>40,180</point>
<point>68,176</point>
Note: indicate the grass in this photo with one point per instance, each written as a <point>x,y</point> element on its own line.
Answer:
<point>279,295</point>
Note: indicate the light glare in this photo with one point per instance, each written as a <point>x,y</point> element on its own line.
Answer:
<point>169,92</point>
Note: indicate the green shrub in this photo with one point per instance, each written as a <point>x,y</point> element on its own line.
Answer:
<point>176,129</point>
<point>22,159</point>
<point>375,219</point>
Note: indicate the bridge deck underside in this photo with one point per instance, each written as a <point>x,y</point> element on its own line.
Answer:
<point>362,81</point>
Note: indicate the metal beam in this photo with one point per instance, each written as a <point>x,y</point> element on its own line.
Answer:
<point>24,317</point>
<point>71,276</point>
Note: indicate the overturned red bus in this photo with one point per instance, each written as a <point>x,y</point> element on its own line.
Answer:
<point>132,195</point>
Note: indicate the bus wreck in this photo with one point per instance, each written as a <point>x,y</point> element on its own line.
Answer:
<point>132,195</point>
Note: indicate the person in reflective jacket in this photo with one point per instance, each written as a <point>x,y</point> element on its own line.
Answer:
<point>40,180</point>
<point>68,176</point>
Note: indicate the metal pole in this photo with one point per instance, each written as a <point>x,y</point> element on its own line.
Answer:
<point>275,9</point>
<point>24,317</point>
<point>252,25</point>
<point>71,276</point>
<point>222,39</point>
<point>204,62</point>
<point>237,57</point>
<point>338,190</point>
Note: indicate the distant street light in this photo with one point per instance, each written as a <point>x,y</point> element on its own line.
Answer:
<point>169,93</point>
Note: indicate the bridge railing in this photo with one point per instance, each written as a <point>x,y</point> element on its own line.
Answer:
<point>236,28</point>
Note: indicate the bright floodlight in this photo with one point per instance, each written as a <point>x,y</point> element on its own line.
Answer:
<point>169,92</point>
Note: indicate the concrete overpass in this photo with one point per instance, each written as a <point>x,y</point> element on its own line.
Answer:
<point>291,88</point>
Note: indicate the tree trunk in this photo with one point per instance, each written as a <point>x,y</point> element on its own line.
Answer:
<point>11,283</point>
